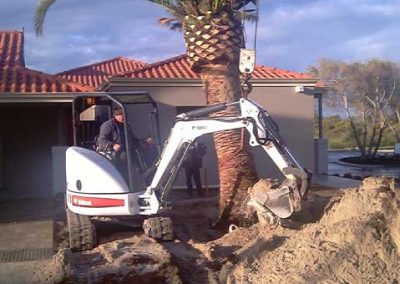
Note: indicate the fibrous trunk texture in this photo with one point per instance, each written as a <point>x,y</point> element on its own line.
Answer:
<point>213,45</point>
<point>212,39</point>
<point>235,160</point>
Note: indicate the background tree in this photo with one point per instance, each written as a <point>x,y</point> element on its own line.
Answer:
<point>393,119</point>
<point>213,33</point>
<point>367,92</point>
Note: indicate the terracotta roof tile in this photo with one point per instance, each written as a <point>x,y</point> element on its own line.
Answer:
<point>265,72</point>
<point>179,68</point>
<point>95,74</point>
<point>11,49</point>
<point>16,78</point>
<point>23,80</point>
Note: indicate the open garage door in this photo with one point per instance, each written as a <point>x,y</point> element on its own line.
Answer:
<point>28,133</point>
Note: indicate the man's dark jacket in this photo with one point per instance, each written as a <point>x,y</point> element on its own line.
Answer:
<point>112,132</point>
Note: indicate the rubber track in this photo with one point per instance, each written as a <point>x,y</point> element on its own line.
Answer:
<point>167,229</point>
<point>74,230</point>
<point>82,234</point>
<point>87,232</point>
<point>159,228</point>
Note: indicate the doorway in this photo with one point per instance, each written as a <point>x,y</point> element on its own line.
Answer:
<point>28,133</point>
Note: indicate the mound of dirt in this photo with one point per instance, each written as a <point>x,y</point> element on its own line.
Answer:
<point>130,260</point>
<point>352,236</point>
<point>357,240</point>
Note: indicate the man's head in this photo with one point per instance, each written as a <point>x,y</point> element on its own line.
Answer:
<point>119,115</point>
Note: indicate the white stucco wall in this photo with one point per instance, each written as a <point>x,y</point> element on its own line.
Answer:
<point>293,112</point>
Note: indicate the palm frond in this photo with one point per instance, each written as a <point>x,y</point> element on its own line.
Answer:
<point>179,9</point>
<point>182,8</point>
<point>171,6</point>
<point>40,14</point>
<point>166,21</point>
<point>171,23</point>
<point>239,4</point>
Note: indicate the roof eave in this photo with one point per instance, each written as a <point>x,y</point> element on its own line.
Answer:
<point>173,82</point>
<point>284,82</point>
<point>146,82</point>
<point>37,97</point>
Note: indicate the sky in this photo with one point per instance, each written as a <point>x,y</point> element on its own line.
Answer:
<point>291,34</point>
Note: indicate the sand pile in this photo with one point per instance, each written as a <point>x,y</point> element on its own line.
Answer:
<point>136,259</point>
<point>356,241</point>
<point>352,237</point>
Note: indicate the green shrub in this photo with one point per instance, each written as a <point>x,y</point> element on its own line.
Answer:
<point>337,131</point>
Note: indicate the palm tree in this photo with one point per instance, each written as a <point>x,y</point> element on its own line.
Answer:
<point>213,34</point>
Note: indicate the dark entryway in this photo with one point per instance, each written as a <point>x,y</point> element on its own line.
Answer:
<point>28,132</point>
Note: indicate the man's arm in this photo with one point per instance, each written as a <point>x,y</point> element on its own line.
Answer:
<point>105,137</point>
<point>134,141</point>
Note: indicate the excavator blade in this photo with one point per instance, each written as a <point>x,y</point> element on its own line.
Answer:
<point>277,200</point>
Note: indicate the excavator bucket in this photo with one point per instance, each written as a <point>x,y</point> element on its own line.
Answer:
<point>277,200</point>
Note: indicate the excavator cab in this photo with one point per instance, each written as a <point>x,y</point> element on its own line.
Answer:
<point>91,110</point>
<point>94,185</point>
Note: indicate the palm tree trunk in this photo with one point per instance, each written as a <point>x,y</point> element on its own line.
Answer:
<point>213,45</point>
<point>235,160</point>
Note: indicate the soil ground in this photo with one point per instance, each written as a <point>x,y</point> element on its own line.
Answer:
<point>340,236</point>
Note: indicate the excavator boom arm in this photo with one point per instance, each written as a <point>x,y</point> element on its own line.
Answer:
<point>189,126</point>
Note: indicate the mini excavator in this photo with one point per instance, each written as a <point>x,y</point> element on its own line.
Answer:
<point>96,188</point>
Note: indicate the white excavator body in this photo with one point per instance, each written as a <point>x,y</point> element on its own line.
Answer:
<point>96,188</point>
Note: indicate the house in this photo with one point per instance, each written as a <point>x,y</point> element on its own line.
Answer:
<point>35,110</point>
<point>95,74</point>
<point>288,97</point>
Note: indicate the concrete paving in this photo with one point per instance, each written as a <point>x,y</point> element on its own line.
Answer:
<point>26,235</point>
<point>26,239</point>
<point>23,272</point>
<point>334,182</point>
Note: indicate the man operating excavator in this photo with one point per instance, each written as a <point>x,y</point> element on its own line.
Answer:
<point>112,140</point>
